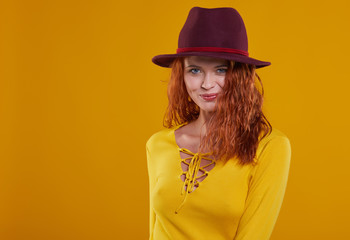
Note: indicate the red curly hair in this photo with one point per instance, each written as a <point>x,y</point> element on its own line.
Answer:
<point>235,127</point>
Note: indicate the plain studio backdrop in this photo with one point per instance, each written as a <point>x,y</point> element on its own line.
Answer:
<point>79,97</point>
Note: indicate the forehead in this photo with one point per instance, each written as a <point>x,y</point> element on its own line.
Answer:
<point>200,60</point>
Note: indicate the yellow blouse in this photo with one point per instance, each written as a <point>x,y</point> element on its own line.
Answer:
<point>232,202</point>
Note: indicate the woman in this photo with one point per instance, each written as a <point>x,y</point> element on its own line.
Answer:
<point>218,170</point>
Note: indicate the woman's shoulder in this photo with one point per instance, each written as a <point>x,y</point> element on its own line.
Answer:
<point>275,135</point>
<point>162,135</point>
<point>276,141</point>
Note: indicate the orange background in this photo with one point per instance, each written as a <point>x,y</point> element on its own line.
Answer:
<point>79,97</point>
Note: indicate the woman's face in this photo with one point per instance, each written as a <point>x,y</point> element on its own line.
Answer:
<point>204,79</point>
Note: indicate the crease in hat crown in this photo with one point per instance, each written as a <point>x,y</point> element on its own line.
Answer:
<point>212,32</point>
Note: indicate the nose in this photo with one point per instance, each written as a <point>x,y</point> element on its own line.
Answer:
<point>208,81</point>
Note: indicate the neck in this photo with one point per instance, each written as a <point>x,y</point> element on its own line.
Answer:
<point>200,122</point>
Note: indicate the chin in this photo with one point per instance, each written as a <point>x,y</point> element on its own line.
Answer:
<point>206,106</point>
<point>207,109</point>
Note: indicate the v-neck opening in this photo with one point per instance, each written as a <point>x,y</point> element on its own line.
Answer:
<point>191,181</point>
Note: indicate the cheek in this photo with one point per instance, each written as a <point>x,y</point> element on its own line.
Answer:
<point>221,82</point>
<point>191,84</point>
<point>189,90</point>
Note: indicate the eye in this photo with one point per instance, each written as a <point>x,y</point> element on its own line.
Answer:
<point>194,70</point>
<point>222,70</point>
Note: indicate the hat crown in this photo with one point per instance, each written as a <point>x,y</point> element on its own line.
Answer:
<point>214,27</point>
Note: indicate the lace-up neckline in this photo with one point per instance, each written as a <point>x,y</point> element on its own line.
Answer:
<point>191,180</point>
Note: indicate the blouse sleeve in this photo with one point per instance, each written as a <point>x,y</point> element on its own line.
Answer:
<point>266,191</point>
<point>151,175</point>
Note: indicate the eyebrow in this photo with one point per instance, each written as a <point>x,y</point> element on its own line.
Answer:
<point>224,65</point>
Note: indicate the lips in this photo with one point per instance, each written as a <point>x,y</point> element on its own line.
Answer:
<point>209,97</point>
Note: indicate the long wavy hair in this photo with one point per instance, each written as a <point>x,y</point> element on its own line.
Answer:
<point>237,124</point>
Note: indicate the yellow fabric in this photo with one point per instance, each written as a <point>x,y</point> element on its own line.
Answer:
<point>232,202</point>
<point>192,172</point>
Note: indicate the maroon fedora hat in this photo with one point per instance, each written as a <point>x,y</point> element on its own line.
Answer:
<point>212,32</point>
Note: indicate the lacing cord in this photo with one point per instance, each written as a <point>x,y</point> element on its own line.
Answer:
<point>191,174</point>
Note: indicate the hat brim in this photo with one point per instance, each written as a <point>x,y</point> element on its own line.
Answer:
<point>165,60</point>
